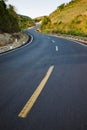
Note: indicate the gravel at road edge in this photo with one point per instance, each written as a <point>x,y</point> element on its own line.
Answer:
<point>24,38</point>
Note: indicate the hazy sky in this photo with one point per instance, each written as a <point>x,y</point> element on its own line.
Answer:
<point>35,8</point>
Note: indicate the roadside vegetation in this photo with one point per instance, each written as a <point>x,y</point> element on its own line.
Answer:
<point>38,19</point>
<point>70,18</point>
<point>10,21</point>
<point>11,24</point>
<point>25,22</point>
<point>8,18</point>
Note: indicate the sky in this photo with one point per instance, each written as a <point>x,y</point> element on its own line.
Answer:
<point>36,8</point>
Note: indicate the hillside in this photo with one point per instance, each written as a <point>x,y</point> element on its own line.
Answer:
<point>10,21</point>
<point>25,22</point>
<point>38,19</point>
<point>8,18</point>
<point>11,25</point>
<point>70,18</point>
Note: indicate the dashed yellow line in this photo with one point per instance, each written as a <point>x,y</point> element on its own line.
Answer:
<point>26,109</point>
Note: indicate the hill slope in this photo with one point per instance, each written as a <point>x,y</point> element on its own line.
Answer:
<point>10,21</point>
<point>8,18</point>
<point>11,25</point>
<point>25,22</point>
<point>70,18</point>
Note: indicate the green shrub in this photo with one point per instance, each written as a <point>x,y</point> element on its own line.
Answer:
<point>46,22</point>
<point>8,18</point>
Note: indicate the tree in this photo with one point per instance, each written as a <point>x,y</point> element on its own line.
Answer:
<point>2,7</point>
<point>3,15</point>
<point>45,20</point>
<point>8,18</point>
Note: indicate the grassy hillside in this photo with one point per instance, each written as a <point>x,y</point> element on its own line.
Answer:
<point>25,22</point>
<point>70,18</point>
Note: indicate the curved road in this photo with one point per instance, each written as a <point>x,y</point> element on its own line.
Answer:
<point>54,71</point>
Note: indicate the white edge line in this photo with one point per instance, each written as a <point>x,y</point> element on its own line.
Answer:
<point>9,51</point>
<point>78,42</point>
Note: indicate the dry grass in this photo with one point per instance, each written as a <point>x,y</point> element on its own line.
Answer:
<point>72,19</point>
<point>69,12</point>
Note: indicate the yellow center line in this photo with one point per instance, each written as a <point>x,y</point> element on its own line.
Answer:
<point>26,109</point>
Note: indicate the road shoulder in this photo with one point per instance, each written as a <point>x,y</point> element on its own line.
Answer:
<point>9,43</point>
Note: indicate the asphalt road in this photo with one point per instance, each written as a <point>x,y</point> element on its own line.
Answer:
<point>62,102</point>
